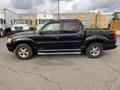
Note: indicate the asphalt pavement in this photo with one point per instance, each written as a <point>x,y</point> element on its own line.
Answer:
<point>60,72</point>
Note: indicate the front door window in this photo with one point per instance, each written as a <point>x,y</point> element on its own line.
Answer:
<point>52,28</point>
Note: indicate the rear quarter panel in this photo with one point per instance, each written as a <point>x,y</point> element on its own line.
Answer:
<point>104,36</point>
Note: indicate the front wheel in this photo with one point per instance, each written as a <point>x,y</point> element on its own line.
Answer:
<point>94,50</point>
<point>1,33</point>
<point>23,52</point>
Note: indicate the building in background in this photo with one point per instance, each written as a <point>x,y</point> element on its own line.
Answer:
<point>89,20</point>
<point>43,18</point>
<point>31,17</point>
<point>104,20</point>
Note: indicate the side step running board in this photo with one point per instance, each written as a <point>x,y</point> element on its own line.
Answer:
<point>58,53</point>
<point>60,50</point>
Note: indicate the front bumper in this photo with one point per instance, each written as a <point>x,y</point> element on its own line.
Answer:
<point>17,31</point>
<point>10,47</point>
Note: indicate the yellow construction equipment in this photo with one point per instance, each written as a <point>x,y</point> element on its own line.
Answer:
<point>115,23</point>
<point>32,19</point>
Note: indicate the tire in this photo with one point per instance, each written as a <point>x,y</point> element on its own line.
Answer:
<point>24,52</point>
<point>1,33</point>
<point>94,50</point>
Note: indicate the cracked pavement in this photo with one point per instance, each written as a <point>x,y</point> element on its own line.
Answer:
<point>60,72</point>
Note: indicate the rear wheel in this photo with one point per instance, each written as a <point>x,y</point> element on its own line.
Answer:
<point>94,50</point>
<point>23,52</point>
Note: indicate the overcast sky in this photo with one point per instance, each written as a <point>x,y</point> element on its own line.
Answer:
<point>37,6</point>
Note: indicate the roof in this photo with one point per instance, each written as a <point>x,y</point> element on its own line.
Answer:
<point>64,20</point>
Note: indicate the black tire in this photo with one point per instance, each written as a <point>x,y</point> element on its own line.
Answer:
<point>94,50</point>
<point>1,33</point>
<point>28,50</point>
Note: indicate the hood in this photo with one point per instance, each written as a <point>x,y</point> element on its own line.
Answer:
<point>20,25</point>
<point>23,34</point>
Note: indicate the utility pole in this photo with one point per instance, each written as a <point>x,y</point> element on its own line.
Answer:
<point>58,9</point>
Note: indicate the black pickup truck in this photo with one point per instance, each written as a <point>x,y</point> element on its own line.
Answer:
<point>61,36</point>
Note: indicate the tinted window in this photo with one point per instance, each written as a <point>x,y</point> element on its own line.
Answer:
<point>21,21</point>
<point>0,21</point>
<point>4,21</point>
<point>70,27</point>
<point>52,28</point>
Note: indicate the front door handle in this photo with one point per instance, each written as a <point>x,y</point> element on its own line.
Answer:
<point>57,38</point>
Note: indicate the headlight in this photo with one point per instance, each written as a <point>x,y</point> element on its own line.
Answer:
<point>26,28</point>
<point>9,40</point>
<point>13,29</point>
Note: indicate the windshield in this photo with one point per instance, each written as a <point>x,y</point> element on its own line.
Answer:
<point>21,22</point>
<point>118,15</point>
<point>40,26</point>
<point>2,21</point>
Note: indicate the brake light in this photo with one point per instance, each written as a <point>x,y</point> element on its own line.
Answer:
<point>115,36</point>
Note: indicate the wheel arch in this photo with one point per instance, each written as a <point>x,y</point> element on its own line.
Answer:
<point>30,42</point>
<point>94,39</point>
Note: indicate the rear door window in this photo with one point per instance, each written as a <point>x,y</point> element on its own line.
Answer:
<point>70,27</point>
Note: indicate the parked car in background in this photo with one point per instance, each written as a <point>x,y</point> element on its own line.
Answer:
<point>6,16</point>
<point>62,36</point>
<point>20,25</point>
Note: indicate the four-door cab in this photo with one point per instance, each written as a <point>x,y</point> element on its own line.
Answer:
<point>61,36</point>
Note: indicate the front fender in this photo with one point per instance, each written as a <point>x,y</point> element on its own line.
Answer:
<point>24,40</point>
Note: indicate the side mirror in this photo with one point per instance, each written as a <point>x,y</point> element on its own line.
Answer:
<point>41,32</point>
